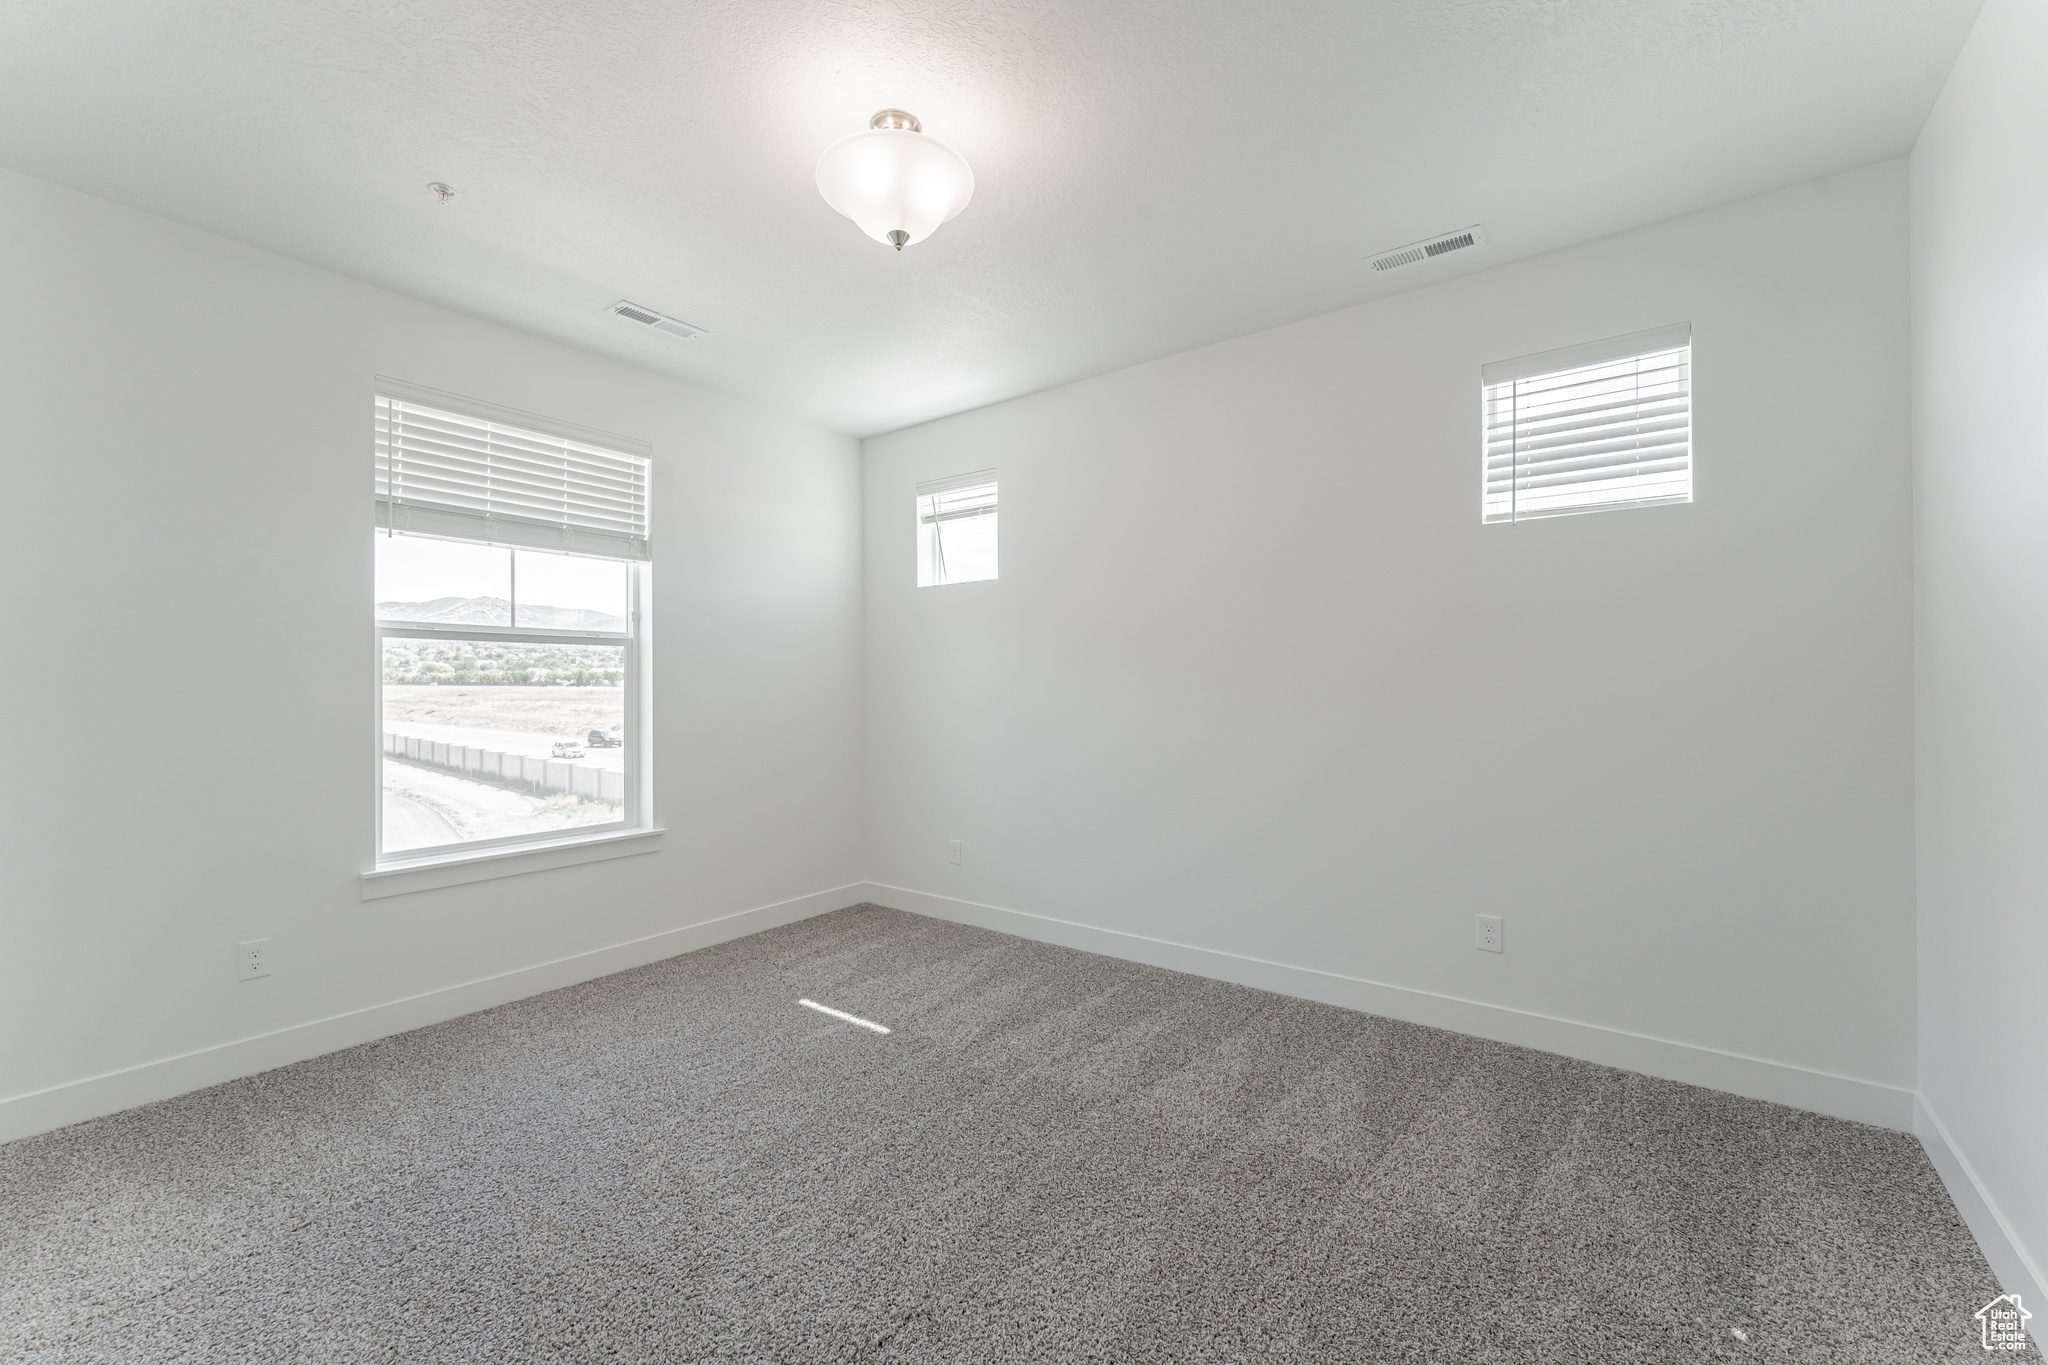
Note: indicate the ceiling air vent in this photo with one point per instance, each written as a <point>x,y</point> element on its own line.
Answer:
<point>660,322</point>
<point>1417,252</point>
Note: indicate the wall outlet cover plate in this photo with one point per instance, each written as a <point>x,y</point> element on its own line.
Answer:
<point>252,959</point>
<point>1488,935</point>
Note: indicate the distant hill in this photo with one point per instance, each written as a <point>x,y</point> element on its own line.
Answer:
<point>496,611</point>
<point>450,611</point>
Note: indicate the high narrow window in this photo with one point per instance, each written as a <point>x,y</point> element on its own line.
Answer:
<point>510,563</point>
<point>956,529</point>
<point>1607,424</point>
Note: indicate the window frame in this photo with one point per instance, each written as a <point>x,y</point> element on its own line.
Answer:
<point>632,732</point>
<point>937,488</point>
<point>481,859</point>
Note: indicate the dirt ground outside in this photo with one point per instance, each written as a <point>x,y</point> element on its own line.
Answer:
<point>532,710</point>
<point>428,809</point>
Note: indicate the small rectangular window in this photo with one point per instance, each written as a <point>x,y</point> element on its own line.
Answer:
<point>1606,424</point>
<point>956,529</point>
<point>509,566</point>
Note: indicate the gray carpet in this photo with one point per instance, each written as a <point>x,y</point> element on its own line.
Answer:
<point>1053,1157</point>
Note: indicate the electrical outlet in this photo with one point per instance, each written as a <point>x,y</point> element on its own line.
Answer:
<point>956,852</point>
<point>1487,936</point>
<point>252,959</point>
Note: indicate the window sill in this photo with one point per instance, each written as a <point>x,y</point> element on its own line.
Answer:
<point>454,869</point>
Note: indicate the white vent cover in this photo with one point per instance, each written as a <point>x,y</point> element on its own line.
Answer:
<point>1415,253</point>
<point>660,322</point>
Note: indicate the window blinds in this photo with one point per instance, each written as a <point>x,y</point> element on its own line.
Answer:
<point>447,474</point>
<point>956,529</point>
<point>965,495</point>
<point>1608,424</point>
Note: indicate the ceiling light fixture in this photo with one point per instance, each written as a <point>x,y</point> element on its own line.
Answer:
<point>894,182</point>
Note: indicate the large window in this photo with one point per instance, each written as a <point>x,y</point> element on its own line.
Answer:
<point>1607,424</point>
<point>956,529</point>
<point>509,569</point>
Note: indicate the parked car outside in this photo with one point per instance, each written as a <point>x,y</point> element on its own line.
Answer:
<point>604,739</point>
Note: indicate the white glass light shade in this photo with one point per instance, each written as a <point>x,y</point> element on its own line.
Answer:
<point>892,180</point>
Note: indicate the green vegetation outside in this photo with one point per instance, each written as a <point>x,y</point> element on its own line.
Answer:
<point>483,663</point>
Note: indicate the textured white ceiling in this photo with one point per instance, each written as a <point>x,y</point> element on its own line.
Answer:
<point>1151,176</point>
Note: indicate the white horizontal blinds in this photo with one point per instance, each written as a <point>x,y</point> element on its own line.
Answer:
<point>1604,425</point>
<point>969,495</point>
<point>447,474</point>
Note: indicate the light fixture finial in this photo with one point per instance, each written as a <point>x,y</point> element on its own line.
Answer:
<point>895,181</point>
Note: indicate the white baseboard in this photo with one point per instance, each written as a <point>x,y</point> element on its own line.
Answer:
<point>1886,1106</point>
<point>2017,1272</point>
<point>1841,1096</point>
<point>41,1110</point>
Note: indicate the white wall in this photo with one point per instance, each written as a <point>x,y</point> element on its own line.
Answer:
<point>1255,678</point>
<point>187,561</point>
<point>1980,319</point>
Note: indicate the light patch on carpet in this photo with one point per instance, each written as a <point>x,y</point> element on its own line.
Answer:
<point>842,1014</point>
